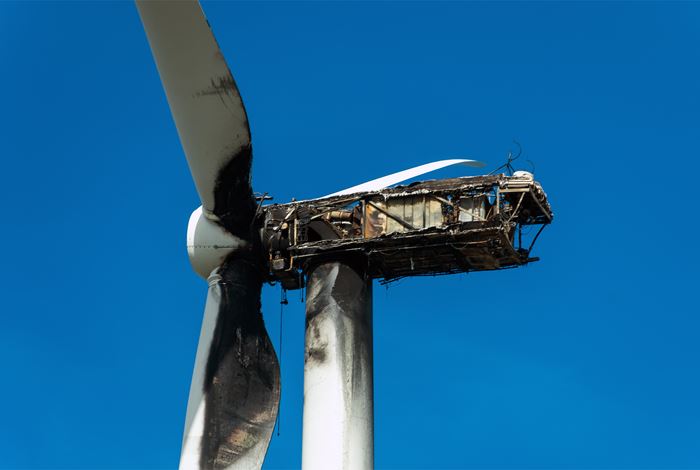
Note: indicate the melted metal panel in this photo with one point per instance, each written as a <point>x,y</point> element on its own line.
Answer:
<point>375,221</point>
<point>472,209</point>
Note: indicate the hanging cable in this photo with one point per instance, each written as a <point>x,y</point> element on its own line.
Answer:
<point>508,164</point>
<point>283,302</point>
<point>301,286</point>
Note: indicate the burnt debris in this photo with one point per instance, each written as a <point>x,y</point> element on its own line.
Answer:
<point>426,228</point>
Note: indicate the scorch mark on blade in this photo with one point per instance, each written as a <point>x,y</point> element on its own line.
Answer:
<point>242,380</point>
<point>234,204</point>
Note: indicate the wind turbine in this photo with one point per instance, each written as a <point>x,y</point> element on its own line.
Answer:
<point>334,246</point>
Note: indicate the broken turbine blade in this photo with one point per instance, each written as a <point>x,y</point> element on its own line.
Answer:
<point>395,178</point>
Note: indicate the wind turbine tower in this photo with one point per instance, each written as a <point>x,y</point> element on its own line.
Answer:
<point>334,246</point>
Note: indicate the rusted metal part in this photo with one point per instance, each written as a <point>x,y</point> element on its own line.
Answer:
<point>338,422</point>
<point>427,228</point>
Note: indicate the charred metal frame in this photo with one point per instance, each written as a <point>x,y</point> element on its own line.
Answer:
<point>427,228</point>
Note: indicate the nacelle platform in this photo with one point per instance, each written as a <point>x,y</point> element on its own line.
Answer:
<point>426,228</point>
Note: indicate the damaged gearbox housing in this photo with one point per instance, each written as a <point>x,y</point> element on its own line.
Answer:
<point>426,228</point>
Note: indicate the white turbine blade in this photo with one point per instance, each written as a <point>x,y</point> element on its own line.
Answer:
<point>395,178</point>
<point>204,100</point>
<point>235,391</point>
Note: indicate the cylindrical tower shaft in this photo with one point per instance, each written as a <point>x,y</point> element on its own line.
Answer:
<point>338,430</point>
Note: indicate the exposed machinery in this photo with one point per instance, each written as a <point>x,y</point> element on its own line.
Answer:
<point>427,228</point>
<point>334,246</point>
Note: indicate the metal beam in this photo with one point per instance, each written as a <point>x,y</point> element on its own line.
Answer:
<point>338,424</point>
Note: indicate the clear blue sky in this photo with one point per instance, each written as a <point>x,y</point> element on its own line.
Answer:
<point>587,359</point>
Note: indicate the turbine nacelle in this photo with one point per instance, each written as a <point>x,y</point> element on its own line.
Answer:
<point>208,243</point>
<point>432,227</point>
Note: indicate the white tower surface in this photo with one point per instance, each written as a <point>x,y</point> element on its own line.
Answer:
<point>338,429</point>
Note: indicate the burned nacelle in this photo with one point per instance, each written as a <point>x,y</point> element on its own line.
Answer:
<point>427,228</point>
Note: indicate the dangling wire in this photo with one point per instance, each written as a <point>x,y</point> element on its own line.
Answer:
<point>520,236</point>
<point>532,166</point>
<point>283,302</point>
<point>508,164</point>
<point>301,286</point>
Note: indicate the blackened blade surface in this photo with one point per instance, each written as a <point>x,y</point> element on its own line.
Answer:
<point>235,388</point>
<point>205,103</point>
<point>236,383</point>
